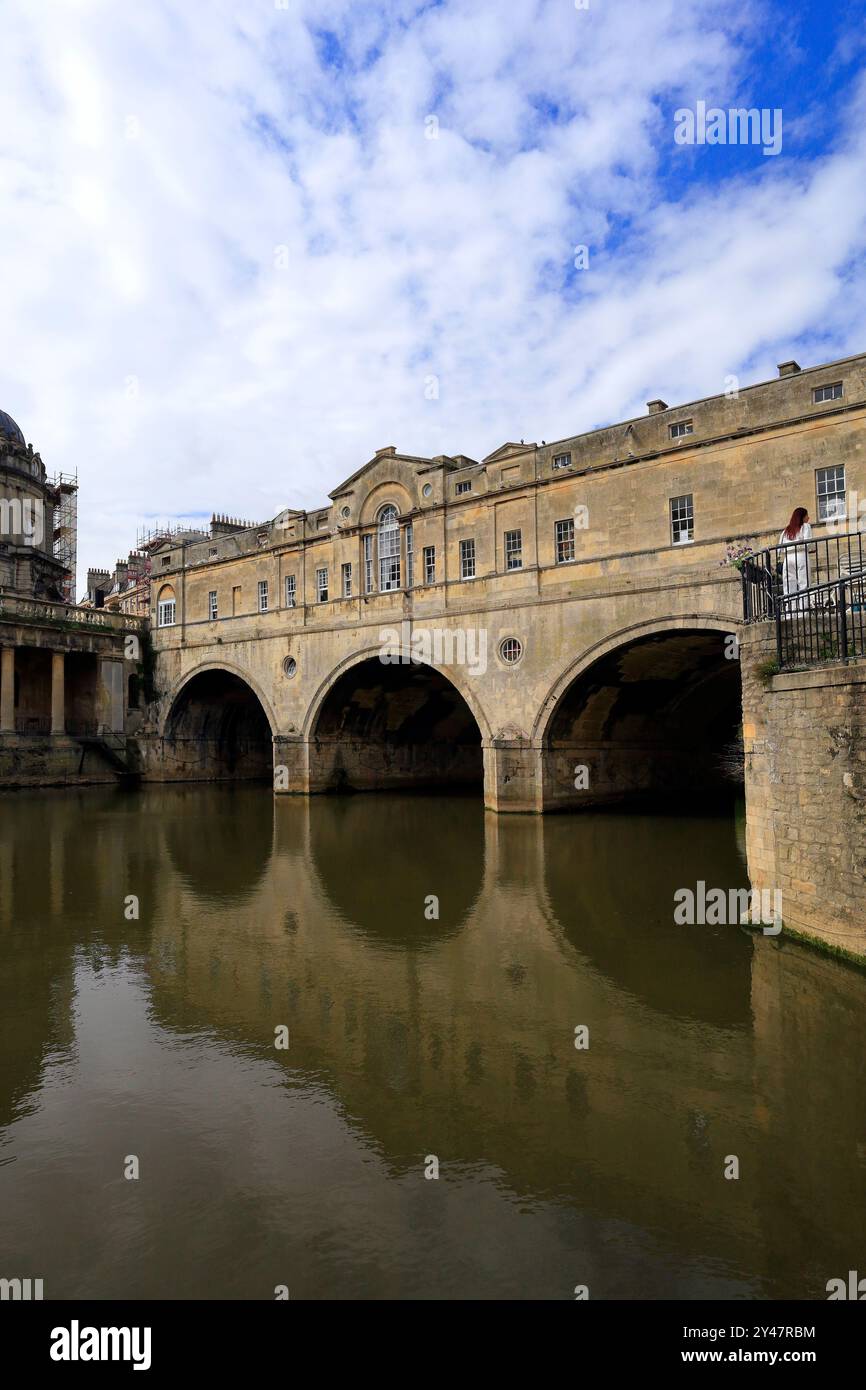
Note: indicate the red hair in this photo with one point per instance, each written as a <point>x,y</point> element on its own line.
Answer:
<point>795,525</point>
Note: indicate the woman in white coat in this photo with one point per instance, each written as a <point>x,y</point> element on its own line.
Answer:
<point>795,565</point>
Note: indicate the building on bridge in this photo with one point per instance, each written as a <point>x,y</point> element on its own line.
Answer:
<point>554,624</point>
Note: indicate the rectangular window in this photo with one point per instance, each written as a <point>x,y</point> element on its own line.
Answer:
<point>368,564</point>
<point>429,564</point>
<point>236,600</point>
<point>682,520</point>
<point>564,541</point>
<point>291,591</point>
<point>322,585</point>
<point>212,552</point>
<point>212,610</point>
<point>827,393</point>
<point>165,612</point>
<point>562,460</point>
<point>463,487</point>
<point>166,561</point>
<point>467,559</point>
<point>263,596</point>
<point>830,490</point>
<point>681,429</point>
<point>410,556</point>
<point>347,581</point>
<point>513,550</point>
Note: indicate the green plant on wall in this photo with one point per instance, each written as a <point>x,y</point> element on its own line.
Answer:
<point>766,670</point>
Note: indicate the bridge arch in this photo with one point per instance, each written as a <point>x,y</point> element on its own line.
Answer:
<point>218,724</point>
<point>654,710</point>
<point>380,726</point>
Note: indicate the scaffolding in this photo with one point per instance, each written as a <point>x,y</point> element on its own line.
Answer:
<point>65,487</point>
<point>149,538</point>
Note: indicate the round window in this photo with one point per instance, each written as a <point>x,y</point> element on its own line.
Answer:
<point>511,650</point>
<point>290,666</point>
<point>347,511</point>
<point>427,490</point>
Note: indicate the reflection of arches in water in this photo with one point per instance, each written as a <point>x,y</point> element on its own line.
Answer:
<point>219,839</point>
<point>397,727</point>
<point>377,870</point>
<point>661,714</point>
<point>610,882</point>
<point>217,726</point>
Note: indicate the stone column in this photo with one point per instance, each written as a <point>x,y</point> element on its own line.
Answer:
<point>512,776</point>
<point>111,696</point>
<point>7,692</point>
<point>291,765</point>
<point>58,692</point>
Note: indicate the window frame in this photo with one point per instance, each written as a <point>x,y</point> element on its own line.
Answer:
<point>346,578</point>
<point>687,517</point>
<point>822,497</point>
<point>514,555</point>
<point>212,606</point>
<point>429,562</point>
<point>681,429</point>
<point>388,549</point>
<point>561,461</point>
<point>263,596</point>
<point>162,606</point>
<point>563,539</point>
<point>321,586</point>
<point>467,558</point>
<point>290,590</point>
<point>836,387</point>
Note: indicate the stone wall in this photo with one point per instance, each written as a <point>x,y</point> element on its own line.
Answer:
<point>805,743</point>
<point>51,761</point>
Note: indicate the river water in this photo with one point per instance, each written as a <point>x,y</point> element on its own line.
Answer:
<point>417,1043</point>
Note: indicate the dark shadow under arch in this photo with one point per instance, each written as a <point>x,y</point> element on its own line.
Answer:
<point>394,727</point>
<point>217,729</point>
<point>659,716</point>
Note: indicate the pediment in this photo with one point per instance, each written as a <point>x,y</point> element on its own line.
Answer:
<point>373,468</point>
<point>507,451</point>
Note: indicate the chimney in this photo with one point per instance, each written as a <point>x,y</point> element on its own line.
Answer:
<point>656,407</point>
<point>789,368</point>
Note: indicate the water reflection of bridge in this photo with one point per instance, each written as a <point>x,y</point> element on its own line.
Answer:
<point>455,1037</point>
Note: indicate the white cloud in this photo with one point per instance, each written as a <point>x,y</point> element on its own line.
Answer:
<point>153,158</point>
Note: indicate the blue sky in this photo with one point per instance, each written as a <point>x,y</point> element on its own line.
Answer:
<point>239,240</point>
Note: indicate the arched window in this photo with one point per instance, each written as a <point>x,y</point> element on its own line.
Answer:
<point>389,549</point>
<point>165,607</point>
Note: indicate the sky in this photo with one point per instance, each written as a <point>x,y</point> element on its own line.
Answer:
<point>243,246</point>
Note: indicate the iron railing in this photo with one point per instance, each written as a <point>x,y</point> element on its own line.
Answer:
<point>815,591</point>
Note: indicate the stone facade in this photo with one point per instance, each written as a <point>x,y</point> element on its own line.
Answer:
<point>567,549</point>
<point>67,674</point>
<point>805,746</point>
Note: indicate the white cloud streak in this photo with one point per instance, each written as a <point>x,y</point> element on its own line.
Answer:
<point>160,163</point>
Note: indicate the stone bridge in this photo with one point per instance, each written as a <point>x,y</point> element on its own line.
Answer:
<point>555,626</point>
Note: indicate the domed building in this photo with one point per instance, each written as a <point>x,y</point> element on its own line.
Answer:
<point>65,671</point>
<point>28,501</point>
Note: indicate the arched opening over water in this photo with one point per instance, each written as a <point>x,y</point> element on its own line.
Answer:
<point>659,717</point>
<point>394,727</point>
<point>217,729</point>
